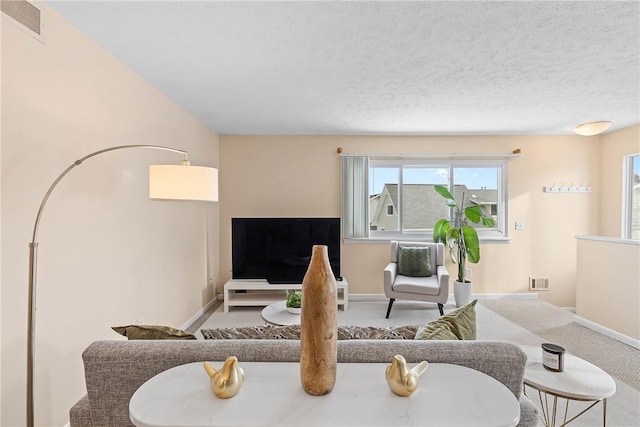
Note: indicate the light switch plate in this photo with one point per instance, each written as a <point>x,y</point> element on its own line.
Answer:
<point>519,225</point>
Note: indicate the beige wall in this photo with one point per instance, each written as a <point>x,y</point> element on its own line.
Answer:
<point>615,146</point>
<point>1,23</point>
<point>108,256</point>
<point>608,271</point>
<point>300,176</point>
<point>609,284</point>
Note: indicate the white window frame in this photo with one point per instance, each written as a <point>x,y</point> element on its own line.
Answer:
<point>627,189</point>
<point>500,233</point>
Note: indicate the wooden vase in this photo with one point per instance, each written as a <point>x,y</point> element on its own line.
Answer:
<point>319,325</point>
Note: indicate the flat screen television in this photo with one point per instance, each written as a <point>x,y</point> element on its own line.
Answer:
<point>279,249</point>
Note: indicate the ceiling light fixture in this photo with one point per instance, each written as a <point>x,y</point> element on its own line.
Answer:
<point>592,128</point>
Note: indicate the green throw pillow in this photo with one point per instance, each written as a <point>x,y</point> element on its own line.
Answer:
<point>152,332</point>
<point>442,332</point>
<point>460,324</point>
<point>414,261</point>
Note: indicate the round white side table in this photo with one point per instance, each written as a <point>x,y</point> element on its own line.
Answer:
<point>580,381</point>
<point>277,314</point>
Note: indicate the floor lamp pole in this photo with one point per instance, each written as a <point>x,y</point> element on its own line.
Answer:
<point>33,268</point>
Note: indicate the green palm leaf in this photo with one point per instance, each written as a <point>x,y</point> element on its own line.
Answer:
<point>440,230</point>
<point>473,213</point>
<point>488,222</point>
<point>444,192</point>
<point>472,243</point>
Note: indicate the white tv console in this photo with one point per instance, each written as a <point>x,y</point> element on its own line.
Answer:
<point>263,293</point>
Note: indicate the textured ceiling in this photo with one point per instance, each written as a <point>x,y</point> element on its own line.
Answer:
<point>403,68</point>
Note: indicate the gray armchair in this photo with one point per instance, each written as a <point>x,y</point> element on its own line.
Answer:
<point>434,288</point>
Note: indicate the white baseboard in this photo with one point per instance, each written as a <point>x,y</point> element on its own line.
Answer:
<point>198,314</point>
<point>608,332</point>
<point>367,298</point>
<point>520,296</point>
<point>382,297</point>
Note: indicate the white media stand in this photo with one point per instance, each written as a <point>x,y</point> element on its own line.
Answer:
<point>263,293</point>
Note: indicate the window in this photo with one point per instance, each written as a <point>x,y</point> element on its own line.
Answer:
<point>631,200</point>
<point>403,201</point>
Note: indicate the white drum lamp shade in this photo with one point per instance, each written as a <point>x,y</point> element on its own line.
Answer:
<point>183,182</point>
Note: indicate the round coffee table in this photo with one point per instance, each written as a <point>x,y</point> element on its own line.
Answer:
<point>580,380</point>
<point>277,314</point>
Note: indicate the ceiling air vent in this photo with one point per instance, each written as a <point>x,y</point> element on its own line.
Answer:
<point>23,12</point>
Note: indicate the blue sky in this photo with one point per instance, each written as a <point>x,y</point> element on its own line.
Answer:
<point>471,177</point>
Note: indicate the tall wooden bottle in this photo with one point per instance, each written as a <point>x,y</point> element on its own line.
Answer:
<point>319,325</point>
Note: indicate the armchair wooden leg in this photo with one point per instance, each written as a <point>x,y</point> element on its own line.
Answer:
<point>391,300</point>
<point>441,308</point>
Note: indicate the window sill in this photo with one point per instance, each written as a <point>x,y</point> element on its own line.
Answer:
<point>409,238</point>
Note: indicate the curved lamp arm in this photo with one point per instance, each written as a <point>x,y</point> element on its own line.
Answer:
<point>79,162</point>
<point>33,265</point>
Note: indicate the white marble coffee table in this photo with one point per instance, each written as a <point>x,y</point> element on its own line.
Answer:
<point>448,395</point>
<point>277,314</point>
<point>580,380</point>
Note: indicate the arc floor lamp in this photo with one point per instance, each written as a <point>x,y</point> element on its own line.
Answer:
<point>166,182</point>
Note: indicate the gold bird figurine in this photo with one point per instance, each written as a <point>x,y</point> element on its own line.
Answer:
<point>401,380</point>
<point>226,382</point>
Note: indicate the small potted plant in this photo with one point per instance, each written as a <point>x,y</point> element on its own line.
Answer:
<point>294,300</point>
<point>461,238</point>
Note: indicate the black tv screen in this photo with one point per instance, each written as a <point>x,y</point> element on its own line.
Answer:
<point>279,249</point>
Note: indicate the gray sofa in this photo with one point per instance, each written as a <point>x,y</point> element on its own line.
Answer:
<point>115,369</point>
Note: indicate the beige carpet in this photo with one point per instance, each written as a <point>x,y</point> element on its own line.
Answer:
<point>619,360</point>
<point>558,326</point>
<point>490,325</point>
<point>525,322</point>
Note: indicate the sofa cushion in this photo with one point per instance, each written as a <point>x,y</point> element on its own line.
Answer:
<point>152,332</point>
<point>417,285</point>
<point>293,332</point>
<point>373,333</point>
<point>414,261</point>
<point>459,324</point>
<point>440,332</point>
<point>263,332</point>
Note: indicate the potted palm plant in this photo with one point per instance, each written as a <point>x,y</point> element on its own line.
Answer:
<point>294,301</point>
<point>461,238</point>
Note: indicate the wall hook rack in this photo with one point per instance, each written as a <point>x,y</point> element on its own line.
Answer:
<point>567,188</point>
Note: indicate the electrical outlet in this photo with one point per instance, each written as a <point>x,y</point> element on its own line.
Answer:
<point>467,272</point>
<point>519,225</point>
<point>140,321</point>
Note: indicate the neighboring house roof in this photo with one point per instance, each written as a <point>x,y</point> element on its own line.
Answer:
<point>392,189</point>
<point>423,205</point>
<point>482,196</point>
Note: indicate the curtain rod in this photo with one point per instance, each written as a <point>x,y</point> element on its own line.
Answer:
<point>515,153</point>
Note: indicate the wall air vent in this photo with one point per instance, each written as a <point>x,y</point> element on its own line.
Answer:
<point>23,12</point>
<point>538,284</point>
